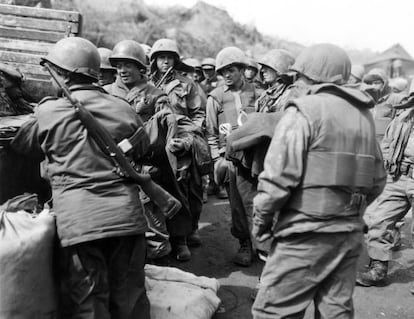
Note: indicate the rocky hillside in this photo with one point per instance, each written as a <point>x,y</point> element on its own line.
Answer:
<point>200,31</point>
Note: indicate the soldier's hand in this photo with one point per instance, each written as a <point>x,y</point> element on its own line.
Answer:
<point>261,232</point>
<point>176,145</point>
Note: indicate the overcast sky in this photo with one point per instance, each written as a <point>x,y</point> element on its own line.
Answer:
<point>373,24</point>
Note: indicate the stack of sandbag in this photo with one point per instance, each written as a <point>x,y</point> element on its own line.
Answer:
<point>176,294</point>
<point>27,288</point>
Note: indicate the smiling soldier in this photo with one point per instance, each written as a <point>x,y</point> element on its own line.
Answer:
<point>129,59</point>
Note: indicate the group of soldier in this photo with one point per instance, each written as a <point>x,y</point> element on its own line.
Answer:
<point>292,142</point>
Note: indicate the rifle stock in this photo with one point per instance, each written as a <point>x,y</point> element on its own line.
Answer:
<point>167,203</point>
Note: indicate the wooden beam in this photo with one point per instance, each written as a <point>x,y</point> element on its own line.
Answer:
<point>30,70</point>
<point>17,57</point>
<point>39,24</point>
<point>27,46</point>
<point>71,16</point>
<point>31,34</point>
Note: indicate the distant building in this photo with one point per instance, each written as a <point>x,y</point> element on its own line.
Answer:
<point>395,61</point>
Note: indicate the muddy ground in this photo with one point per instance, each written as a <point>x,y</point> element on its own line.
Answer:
<point>213,259</point>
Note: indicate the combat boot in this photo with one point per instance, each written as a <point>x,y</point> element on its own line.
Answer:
<point>244,256</point>
<point>180,249</point>
<point>375,275</point>
<point>194,240</point>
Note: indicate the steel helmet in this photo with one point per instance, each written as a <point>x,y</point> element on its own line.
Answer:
<point>230,56</point>
<point>193,63</point>
<point>146,48</point>
<point>399,84</point>
<point>105,54</point>
<point>76,55</point>
<point>208,63</point>
<point>279,60</point>
<point>252,64</point>
<point>164,45</point>
<point>324,63</point>
<point>357,71</point>
<point>128,50</point>
<point>375,74</point>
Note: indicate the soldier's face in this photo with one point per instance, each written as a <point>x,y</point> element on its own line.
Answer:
<point>250,73</point>
<point>128,72</point>
<point>209,73</point>
<point>106,76</point>
<point>164,62</point>
<point>377,85</point>
<point>232,75</point>
<point>269,75</point>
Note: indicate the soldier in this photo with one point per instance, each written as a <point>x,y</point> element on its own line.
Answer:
<point>209,69</point>
<point>107,73</point>
<point>394,202</point>
<point>307,201</point>
<point>399,85</point>
<point>227,105</point>
<point>184,100</point>
<point>376,82</point>
<point>182,91</point>
<point>132,84</point>
<point>99,216</point>
<point>251,72</point>
<point>274,66</point>
<point>196,74</point>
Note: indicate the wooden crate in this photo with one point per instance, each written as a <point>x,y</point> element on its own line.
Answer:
<point>27,33</point>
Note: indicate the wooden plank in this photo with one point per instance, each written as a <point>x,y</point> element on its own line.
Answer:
<point>71,16</point>
<point>39,24</point>
<point>30,70</point>
<point>27,46</point>
<point>17,57</point>
<point>31,34</point>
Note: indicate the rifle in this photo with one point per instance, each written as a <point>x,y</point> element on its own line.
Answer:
<point>163,77</point>
<point>168,204</point>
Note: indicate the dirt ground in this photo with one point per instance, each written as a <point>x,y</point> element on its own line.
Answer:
<point>213,259</point>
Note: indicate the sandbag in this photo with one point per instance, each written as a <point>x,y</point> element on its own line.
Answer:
<point>27,287</point>
<point>176,294</point>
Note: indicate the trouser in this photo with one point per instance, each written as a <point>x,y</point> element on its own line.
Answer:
<point>192,187</point>
<point>104,279</point>
<point>318,267</point>
<point>241,190</point>
<point>158,244</point>
<point>382,215</point>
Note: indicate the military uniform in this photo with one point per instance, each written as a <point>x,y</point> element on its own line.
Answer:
<point>183,95</point>
<point>210,84</point>
<point>384,112</point>
<point>396,200</point>
<point>269,99</point>
<point>308,202</point>
<point>224,106</point>
<point>142,98</point>
<point>99,215</point>
<point>307,218</point>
